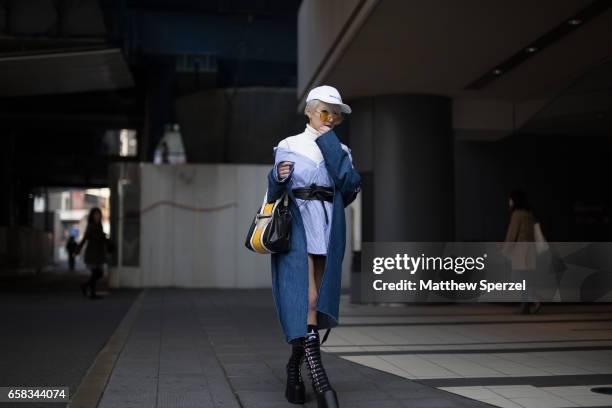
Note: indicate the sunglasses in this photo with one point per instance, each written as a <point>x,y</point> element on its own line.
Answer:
<point>326,116</point>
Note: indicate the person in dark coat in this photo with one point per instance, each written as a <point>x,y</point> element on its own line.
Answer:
<point>317,173</point>
<point>71,247</point>
<point>95,251</point>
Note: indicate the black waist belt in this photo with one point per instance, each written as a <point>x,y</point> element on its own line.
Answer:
<point>315,192</point>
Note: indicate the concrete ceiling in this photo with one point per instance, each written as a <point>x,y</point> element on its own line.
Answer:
<point>66,72</point>
<point>57,47</point>
<point>584,108</point>
<point>441,46</point>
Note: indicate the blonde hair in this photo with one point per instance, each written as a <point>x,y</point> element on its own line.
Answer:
<point>312,105</point>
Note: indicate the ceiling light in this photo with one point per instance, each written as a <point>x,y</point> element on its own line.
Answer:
<point>566,26</point>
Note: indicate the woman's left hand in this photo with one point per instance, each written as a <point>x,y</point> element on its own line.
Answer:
<point>324,129</point>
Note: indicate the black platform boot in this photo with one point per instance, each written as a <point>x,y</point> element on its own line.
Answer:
<point>326,396</point>
<point>295,392</point>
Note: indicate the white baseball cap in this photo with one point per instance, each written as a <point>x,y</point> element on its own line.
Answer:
<point>328,94</point>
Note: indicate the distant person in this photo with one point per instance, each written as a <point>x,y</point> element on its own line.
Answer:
<point>522,256</point>
<point>71,248</point>
<point>95,251</point>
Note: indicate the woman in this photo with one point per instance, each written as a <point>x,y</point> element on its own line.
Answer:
<point>317,172</point>
<point>521,229</point>
<point>95,252</point>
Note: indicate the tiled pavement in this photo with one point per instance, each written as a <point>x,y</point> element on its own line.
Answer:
<point>483,352</point>
<point>222,348</point>
<point>50,333</point>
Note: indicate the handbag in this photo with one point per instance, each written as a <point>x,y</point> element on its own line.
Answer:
<point>270,231</point>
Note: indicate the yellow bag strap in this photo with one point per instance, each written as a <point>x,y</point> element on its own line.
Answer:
<point>285,198</point>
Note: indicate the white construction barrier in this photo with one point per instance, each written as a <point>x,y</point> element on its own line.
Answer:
<point>194,220</point>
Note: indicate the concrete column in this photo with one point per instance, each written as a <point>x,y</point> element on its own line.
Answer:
<point>403,145</point>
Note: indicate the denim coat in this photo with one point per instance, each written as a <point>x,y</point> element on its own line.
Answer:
<point>290,269</point>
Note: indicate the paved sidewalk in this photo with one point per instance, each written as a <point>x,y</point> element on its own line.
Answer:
<point>50,334</point>
<point>554,359</point>
<point>224,348</point>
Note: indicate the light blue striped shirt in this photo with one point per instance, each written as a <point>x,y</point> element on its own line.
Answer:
<point>308,168</point>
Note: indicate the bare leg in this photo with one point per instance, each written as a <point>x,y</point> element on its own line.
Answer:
<point>294,391</point>
<point>316,266</point>
<point>319,263</point>
<point>325,394</point>
<point>313,293</point>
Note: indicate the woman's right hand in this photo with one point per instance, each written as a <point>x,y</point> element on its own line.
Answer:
<point>284,169</point>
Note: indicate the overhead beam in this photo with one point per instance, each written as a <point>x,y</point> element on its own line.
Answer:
<point>67,72</point>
